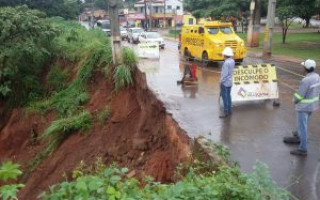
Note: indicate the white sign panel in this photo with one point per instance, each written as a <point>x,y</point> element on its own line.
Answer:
<point>148,50</point>
<point>258,82</point>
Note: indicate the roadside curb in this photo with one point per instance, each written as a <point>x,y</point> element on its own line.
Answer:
<point>278,58</point>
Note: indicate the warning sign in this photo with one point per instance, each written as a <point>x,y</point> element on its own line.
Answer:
<point>148,50</point>
<point>255,82</point>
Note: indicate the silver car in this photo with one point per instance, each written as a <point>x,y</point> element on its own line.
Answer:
<point>104,25</point>
<point>133,34</point>
<point>152,37</point>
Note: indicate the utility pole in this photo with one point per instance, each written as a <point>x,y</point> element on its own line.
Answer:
<point>251,22</point>
<point>150,13</point>
<point>92,14</point>
<point>115,32</point>
<point>145,16</point>
<point>164,14</point>
<point>268,33</point>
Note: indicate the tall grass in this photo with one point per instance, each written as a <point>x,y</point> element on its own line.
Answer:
<point>129,58</point>
<point>122,77</point>
<point>123,74</point>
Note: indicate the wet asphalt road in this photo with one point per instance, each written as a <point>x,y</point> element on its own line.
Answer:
<point>255,130</point>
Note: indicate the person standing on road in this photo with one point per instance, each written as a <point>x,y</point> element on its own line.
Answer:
<point>306,101</point>
<point>226,81</point>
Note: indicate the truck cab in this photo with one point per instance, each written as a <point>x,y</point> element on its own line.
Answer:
<point>206,41</point>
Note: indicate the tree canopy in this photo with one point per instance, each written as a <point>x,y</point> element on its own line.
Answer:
<point>65,8</point>
<point>216,8</point>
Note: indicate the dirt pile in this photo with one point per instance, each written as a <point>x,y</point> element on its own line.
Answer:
<point>139,135</point>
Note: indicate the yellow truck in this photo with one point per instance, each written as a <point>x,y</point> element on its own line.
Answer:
<point>206,41</point>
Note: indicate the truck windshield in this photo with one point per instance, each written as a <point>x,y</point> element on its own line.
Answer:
<point>216,30</point>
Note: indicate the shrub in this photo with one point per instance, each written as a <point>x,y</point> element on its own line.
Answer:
<point>25,40</point>
<point>56,79</point>
<point>224,184</point>
<point>9,171</point>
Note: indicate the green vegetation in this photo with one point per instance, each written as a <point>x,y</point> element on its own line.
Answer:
<point>299,45</point>
<point>68,9</point>
<point>122,77</point>
<point>86,51</point>
<point>58,131</point>
<point>223,184</point>
<point>129,58</point>
<point>9,171</point>
<point>25,40</point>
<point>123,74</point>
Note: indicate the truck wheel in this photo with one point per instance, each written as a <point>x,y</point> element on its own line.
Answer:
<point>205,58</point>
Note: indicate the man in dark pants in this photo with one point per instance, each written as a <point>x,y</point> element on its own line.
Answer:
<point>306,101</point>
<point>226,81</point>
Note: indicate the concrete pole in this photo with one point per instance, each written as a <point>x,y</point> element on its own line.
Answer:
<point>115,32</point>
<point>92,14</point>
<point>145,16</point>
<point>250,27</point>
<point>150,13</point>
<point>164,14</point>
<point>256,24</point>
<point>268,33</point>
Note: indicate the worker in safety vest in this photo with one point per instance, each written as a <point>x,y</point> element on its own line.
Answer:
<point>306,101</point>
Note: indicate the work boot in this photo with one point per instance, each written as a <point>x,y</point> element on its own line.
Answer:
<point>295,133</point>
<point>291,140</point>
<point>223,116</point>
<point>298,152</point>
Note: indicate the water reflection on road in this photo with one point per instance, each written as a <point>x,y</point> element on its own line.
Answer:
<point>255,130</point>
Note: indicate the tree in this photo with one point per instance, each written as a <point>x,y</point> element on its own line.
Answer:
<point>68,9</point>
<point>306,9</point>
<point>25,40</point>
<point>216,8</point>
<point>286,13</point>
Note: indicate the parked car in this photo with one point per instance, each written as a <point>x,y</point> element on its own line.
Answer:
<point>123,33</point>
<point>133,34</point>
<point>152,37</point>
<point>104,25</point>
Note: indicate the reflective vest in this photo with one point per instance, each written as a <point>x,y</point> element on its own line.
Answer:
<point>307,97</point>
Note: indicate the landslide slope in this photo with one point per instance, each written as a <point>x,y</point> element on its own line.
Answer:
<point>136,132</point>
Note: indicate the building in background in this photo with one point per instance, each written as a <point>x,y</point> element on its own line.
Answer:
<point>161,13</point>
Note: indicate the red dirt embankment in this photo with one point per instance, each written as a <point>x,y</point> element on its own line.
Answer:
<point>139,135</point>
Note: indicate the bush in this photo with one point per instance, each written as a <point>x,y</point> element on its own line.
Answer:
<point>86,51</point>
<point>25,40</point>
<point>224,184</point>
<point>9,171</point>
<point>56,79</point>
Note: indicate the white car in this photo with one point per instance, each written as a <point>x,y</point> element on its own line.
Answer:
<point>133,34</point>
<point>123,33</point>
<point>152,37</point>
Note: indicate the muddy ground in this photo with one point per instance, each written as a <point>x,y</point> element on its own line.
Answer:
<point>139,135</point>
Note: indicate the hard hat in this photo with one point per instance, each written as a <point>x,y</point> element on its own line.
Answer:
<point>228,52</point>
<point>309,64</point>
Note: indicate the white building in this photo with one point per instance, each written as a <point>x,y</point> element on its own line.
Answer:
<point>158,11</point>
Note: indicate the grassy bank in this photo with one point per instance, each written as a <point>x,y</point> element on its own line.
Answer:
<point>299,45</point>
